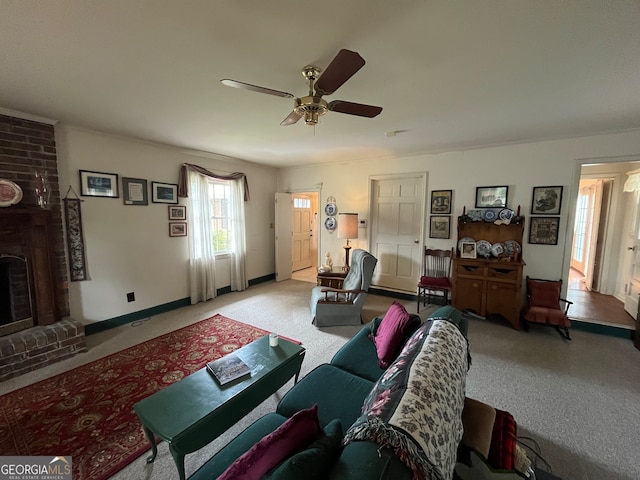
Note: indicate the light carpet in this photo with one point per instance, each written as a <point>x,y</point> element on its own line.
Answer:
<point>578,400</point>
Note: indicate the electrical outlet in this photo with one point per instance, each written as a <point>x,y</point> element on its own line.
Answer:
<point>131,297</point>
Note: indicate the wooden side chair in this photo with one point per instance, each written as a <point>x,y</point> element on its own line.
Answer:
<point>436,276</point>
<point>544,305</point>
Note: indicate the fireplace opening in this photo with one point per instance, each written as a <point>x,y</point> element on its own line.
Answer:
<point>15,294</point>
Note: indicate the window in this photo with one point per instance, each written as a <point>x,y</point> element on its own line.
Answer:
<point>300,202</point>
<point>221,220</point>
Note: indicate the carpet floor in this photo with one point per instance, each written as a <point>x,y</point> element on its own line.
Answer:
<point>87,412</point>
<point>578,399</point>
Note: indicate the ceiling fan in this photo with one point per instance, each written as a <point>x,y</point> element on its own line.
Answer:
<point>344,65</point>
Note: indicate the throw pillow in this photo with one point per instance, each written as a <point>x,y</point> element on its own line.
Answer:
<point>293,435</point>
<point>544,293</point>
<point>390,333</point>
<point>316,460</point>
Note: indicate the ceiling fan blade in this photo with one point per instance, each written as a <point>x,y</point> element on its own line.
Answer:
<point>351,108</point>
<point>291,119</point>
<point>344,65</point>
<point>254,88</point>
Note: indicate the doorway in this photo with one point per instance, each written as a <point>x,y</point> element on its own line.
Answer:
<point>595,280</point>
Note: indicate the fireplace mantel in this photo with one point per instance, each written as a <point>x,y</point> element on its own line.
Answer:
<point>27,231</point>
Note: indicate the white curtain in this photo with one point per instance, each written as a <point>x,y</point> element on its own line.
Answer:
<point>202,258</point>
<point>239,247</point>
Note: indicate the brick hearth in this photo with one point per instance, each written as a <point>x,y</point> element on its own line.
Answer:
<point>40,346</point>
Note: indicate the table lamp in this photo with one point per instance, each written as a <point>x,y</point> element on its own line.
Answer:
<point>347,228</point>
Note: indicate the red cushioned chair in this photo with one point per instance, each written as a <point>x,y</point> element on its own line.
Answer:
<point>436,276</point>
<point>543,305</point>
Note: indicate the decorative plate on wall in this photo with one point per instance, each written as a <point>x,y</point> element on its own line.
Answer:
<point>331,209</point>
<point>10,193</point>
<point>330,223</point>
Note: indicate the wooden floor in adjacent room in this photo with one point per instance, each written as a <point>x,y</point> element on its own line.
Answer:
<point>595,307</point>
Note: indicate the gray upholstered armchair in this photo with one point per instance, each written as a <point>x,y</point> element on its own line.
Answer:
<point>332,306</point>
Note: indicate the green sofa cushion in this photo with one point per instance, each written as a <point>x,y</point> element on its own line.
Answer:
<point>238,446</point>
<point>315,461</point>
<point>366,461</point>
<point>339,394</point>
<point>359,355</point>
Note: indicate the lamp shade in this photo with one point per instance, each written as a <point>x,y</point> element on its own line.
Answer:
<point>347,225</point>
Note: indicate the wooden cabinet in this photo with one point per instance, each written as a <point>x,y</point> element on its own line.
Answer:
<point>489,285</point>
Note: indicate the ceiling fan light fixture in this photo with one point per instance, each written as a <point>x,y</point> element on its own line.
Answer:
<point>311,108</point>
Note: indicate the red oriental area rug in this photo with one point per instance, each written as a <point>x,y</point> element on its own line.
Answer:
<point>87,413</point>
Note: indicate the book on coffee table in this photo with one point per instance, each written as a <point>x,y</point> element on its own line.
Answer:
<point>228,368</point>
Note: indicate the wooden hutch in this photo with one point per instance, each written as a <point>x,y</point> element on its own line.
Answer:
<point>489,285</point>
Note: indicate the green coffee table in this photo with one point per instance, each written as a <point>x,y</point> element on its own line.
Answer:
<point>194,411</point>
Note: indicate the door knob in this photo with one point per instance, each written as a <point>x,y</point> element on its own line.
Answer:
<point>416,241</point>
<point>632,248</point>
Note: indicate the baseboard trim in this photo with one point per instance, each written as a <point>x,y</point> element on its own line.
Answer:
<point>393,294</point>
<point>110,323</point>
<point>603,329</point>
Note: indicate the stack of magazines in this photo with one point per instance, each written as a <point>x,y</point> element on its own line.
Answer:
<point>228,368</point>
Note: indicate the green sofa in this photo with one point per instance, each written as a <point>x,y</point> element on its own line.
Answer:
<point>339,389</point>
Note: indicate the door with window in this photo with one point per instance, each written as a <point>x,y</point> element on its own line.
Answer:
<point>632,280</point>
<point>302,227</point>
<point>586,228</point>
<point>397,226</point>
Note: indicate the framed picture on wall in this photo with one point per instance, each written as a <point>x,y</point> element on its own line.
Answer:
<point>164,192</point>
<point>440,227</point>
<point>178,229</point>
<point>177,212</point>
<point>492,197</point>
<point>134,191</point>
<point>546,200</point>
<point>544,230</point>
<point>98,184</point>
<point>441,202</point>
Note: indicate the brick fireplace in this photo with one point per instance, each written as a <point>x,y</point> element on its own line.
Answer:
<point>33,269</point>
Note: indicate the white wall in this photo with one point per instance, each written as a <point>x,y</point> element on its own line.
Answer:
<point>520,166</point>
<point>128,248</point>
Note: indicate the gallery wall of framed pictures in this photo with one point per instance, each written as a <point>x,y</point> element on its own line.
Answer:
<point>543,226</point>
<point>135,192</point>
<point>440,220</point>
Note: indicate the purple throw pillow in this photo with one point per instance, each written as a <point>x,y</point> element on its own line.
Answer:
<point>390,333</point>
<point>290,437</point>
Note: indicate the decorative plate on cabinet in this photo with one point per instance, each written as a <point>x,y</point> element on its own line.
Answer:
<point>497,249</point>
<point>489,215</point>
<point>506,214</point>
<point>483,248</point>
<point>10,193</point>
<point>511,247</point>
<point>330,224</point>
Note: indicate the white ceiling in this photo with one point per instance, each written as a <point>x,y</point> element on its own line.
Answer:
<point>450,74</point>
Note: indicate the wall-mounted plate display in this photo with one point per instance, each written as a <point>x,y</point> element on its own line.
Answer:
<point>331,209</point>
<point>330,224</point>
<point>10,193</point>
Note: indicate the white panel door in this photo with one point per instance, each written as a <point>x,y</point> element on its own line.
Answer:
<point>396,229</point>
<point>284,235</point>
<point>301,255</point>
<point>632,279</point>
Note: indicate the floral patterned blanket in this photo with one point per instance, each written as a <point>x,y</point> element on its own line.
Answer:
<point>415,408</point>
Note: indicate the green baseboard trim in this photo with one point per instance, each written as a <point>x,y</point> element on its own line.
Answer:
<point>266,278</point>
<point>603,329</point>
<point>110,323</point>
<point>97,327</point>
<point>392,294</point>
